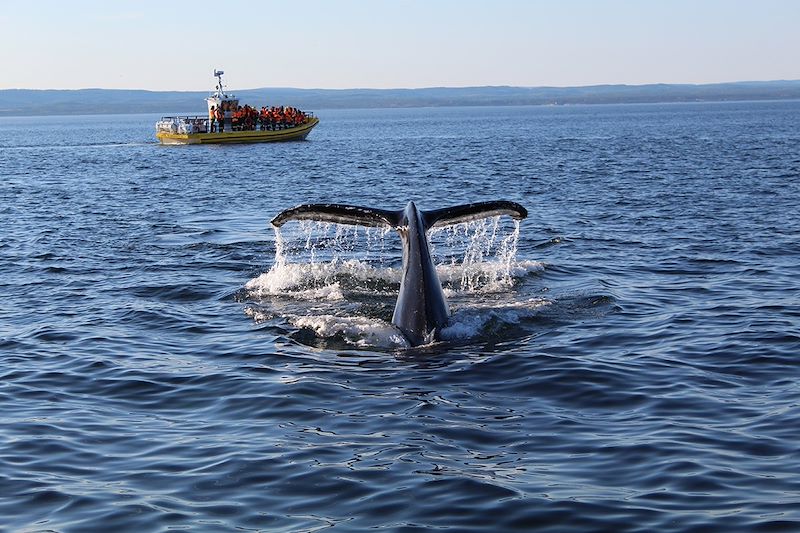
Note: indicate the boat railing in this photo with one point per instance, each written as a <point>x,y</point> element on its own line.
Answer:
<point>186,118</point>
<point>184,124</point>
<point>192,118</point>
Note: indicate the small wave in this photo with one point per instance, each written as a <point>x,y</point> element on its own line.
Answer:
<point>313,280</point>
<point>484,321</point>
<point>72,146</point>
<point>358,331</point>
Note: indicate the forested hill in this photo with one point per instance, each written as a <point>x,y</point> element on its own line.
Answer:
<point>96,101</point>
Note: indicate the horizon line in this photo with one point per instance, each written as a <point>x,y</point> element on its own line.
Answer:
<point>690,84</point>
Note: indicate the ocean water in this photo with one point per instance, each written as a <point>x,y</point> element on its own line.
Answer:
<point>624,359</point>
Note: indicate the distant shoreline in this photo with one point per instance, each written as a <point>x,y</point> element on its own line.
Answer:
<point>40,102</point>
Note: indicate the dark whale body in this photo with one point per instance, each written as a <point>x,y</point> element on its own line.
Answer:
<point>421,310</point>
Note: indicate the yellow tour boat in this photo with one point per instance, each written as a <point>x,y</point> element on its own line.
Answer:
<point>228,122</point>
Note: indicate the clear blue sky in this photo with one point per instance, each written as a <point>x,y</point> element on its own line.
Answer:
<point>174,44</point>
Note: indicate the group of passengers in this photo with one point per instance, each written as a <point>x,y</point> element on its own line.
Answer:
<point>247,118</point>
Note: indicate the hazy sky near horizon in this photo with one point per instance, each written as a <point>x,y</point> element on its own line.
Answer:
<point>175,45</point>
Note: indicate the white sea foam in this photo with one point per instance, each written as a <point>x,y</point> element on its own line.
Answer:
<point>356,330</point>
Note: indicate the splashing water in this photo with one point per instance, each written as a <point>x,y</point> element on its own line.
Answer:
<point>280,249</point>
<point>488,263</point>
<point>342,281</point>
<point>321,257</point>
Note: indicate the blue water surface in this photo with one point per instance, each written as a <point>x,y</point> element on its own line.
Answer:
<point>639,372</point>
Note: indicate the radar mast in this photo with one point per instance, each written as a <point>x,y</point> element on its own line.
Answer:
<point>218,74</point>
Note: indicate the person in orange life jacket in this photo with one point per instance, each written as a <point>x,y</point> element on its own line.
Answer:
<point>211,117</point>
<point>220,114</point>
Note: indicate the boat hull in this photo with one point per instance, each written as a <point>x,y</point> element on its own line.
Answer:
<point>296,133</point>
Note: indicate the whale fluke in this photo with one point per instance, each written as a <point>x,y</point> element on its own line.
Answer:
<point>421,310</point>
<point>369,216</point>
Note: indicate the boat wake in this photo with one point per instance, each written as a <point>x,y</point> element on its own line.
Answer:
<point>335,286</point>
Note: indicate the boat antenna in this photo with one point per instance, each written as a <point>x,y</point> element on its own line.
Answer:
<point>218,74</point>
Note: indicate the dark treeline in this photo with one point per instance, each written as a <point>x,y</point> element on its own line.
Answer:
<point>98,101</point>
